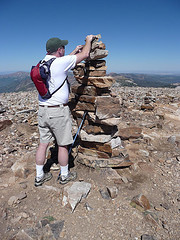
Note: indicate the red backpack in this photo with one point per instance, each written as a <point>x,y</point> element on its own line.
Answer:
<point>40,75</point>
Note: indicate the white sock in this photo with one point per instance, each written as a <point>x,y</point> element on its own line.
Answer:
<point>39,171</point>
<point>64,170</point>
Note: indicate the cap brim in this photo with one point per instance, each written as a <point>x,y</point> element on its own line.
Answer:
<point>64,42</point>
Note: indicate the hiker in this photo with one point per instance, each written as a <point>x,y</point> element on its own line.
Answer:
<point>54,119</point>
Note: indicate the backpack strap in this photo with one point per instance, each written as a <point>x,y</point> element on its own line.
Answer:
<point>66,79</point>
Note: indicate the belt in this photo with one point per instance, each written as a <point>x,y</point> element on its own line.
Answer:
<point>54,106</point>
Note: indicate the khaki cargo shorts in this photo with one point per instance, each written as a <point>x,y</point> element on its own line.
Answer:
<point>55,123</point>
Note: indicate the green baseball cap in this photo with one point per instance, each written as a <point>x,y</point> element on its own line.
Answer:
<point>53,44</point>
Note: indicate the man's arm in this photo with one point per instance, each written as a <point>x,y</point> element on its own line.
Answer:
<point>82,52</point>
<point>78,49</point>
<point>86,49</point>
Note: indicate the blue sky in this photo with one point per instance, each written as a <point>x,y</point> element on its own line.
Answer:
<point>140,35</point>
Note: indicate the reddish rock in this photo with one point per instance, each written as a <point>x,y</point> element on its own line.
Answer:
<point>4,124</point>
<point>130,132</point>
<point>84,90</point>
<point>147,107</point>
<point>98,82</point>
<point>91,152</point>
<point>82,106</point>
<point>107,107</point>
<point>141,201</point>
<point>89,99</point>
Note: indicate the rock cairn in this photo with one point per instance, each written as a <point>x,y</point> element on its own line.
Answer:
<point>100,145</point>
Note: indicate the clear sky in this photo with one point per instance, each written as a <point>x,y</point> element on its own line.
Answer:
<point>140,35</point>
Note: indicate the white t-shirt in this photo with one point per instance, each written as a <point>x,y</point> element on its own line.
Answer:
<point>59,70</point>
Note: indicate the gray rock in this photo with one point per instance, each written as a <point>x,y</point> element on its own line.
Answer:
<point>22,235</point>
<point>94,138</point>
<point>88,207</point>
<point>13,200</point>
<point>73,194</point>
<point>104,193</point>
<point>115,142</point>
<point>98,53</point>
<point>113,191</point>
<point>147,237</point>
<point>56,228</point>
<point>172,139</point>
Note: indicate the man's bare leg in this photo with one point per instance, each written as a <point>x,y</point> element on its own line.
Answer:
<point>41,153</point>
<point>41,177</point>
<point>63,156</point>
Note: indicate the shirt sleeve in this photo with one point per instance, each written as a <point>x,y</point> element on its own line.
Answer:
<point>71,62</point>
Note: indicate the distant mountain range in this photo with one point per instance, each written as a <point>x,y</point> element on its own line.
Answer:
<point>21,81</point>
<point>14,82</point>
<point>146,80</point>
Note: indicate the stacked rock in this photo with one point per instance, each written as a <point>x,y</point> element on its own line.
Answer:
<point>100,145</point>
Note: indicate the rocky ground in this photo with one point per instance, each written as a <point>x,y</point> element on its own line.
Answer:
<point>143,202</point>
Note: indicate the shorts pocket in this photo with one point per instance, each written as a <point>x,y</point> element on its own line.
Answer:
<point>55,112</point>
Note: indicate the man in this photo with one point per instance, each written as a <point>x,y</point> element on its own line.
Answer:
<point>54,119</point>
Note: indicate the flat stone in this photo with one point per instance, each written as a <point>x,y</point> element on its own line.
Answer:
<point>107,107</point>
<point>103,147</point>
<point>99,128</point>
<point>141,201</point>
<point>130,132</point>
<point>94,138</point>
<point>98,82</point>
<point>101,82</point>
<point>82,106</point>
<point>94,162</point>
<point>84,90</point>
<point>91,152</point>
<point>147,107</point>
<point>110,174</point>
<point>109,121</point>
<point>98,54</point>
<point>73,194</point>
<point>90,129</point>
<point>88,99</point>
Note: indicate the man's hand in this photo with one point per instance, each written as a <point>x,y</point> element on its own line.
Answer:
<point>84,54</point>
<point>78,49</point>
<point>90,37</point>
